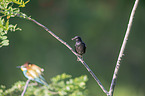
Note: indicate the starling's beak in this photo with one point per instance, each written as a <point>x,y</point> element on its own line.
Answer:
<point>74,37</point>
<point>18,67</point>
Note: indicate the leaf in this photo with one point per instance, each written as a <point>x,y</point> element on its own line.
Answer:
<point>1,22</point>
<point>21,3</point>
<point>7,10</point>
<point>5,42</point>
<point>7,25</point>
<point>62,88</point>
<point>1,29</point>
<point>3,37</point>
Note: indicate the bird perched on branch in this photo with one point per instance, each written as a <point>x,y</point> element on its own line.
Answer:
<point>33,72</point>
<point>80,46</point>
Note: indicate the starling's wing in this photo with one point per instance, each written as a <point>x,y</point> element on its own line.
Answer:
<point>76,49</point>
<point>84,46</point>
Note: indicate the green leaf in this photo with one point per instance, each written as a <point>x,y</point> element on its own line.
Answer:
<point>3,37</point>
<point>7,25</point>
<point>1,29</point>
<point>5,42</point>
<point>60,88</point>
<point>1,22</point>
<point>21,3</point>
<point>2,33</point>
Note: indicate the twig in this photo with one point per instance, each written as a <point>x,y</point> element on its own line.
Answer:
<point>26,85</point>
<point>114,79</point>
<point>93,75</point>
<point>68,46</point>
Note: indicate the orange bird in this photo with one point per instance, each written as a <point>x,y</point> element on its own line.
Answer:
<point>33,72</point>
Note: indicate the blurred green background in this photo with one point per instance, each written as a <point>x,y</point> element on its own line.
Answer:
<point>100,23</point>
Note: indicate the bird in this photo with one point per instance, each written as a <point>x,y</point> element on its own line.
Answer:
<point>33,72</point>
<point>80,46</point>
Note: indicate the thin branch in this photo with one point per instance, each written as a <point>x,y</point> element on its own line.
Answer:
<point>68,46</point>
<point>26,85</point>
<point>114,79</point>
<point>93,75</point>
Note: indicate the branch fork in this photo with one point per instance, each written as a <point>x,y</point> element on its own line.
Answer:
<point>114,79</point>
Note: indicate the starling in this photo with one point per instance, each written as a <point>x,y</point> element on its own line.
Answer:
<point>80,46</point>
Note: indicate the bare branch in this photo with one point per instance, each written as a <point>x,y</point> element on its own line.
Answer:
<point>26,85</point>
<point>114,79</point>
<point>68,46</point>
<point>93,75</point>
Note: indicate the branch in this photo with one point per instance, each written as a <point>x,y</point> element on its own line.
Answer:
<point>68,46</point>
<point>26,85</point>
<point>114,79</point>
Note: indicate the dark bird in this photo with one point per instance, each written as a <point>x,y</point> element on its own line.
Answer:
<point>80,46</point>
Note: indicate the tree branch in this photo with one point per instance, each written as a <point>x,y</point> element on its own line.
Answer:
<point>26,85</point>
<point>115,75</point>
<point>68,46</point>
<point>110,93</point>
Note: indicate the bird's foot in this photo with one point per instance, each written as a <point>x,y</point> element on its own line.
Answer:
<point>80,57</point>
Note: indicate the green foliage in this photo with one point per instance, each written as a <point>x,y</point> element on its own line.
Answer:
<point>7,11</point>
<point>61,85</point>
<point>4,28</point>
